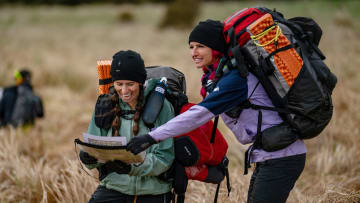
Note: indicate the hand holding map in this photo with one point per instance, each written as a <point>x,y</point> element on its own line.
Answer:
<point>108,149</point>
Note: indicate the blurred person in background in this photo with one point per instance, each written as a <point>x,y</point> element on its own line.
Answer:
<point>121,182</point>
<point>19,105</point>
<point>276,172</point>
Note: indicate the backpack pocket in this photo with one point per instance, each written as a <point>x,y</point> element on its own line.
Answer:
<point>186,151</point>
<point>278,137</point>
<point>323,72</point>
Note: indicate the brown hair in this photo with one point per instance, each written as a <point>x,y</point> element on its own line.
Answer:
<point>116,124</point>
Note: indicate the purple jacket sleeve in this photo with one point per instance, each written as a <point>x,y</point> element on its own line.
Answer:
<point>183,123</point>
<point>230,91</point>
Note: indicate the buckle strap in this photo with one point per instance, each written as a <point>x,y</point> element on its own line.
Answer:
<point>127,112</point>
<point>280,110</point>
<point>295,45</point>
<point>240,61</point>
<point>247,160</point>
<point>105,81</point>
<point>256,145</point>
<point>225,164</point>
<point>217,193</point>
<point>180,198</point>
<point>172,197</point>
<point>228,185</point>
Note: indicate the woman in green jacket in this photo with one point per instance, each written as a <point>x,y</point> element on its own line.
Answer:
<point>121,182</point>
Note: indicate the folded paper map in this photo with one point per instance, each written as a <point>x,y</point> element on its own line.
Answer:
<point>108,149</point>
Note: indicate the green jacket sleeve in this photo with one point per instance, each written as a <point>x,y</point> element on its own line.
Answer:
<point>160,156</point>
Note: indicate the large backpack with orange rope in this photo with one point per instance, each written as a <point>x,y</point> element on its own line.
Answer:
<point>284,55</point>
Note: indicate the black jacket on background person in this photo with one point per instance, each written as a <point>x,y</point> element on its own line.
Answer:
<point>19,105</point>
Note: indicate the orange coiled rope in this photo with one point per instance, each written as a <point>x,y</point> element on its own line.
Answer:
<point>105,82</point>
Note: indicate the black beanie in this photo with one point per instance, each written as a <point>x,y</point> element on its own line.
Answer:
<point>209,33</point>
<point>128,65</point>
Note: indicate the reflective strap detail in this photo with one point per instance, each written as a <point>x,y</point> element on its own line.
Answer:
<point>237,13</point>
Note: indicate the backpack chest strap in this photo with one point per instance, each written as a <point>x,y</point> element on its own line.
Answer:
<point>126,114</point>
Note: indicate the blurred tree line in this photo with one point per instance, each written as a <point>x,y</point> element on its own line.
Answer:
<point>179,14</point>
<point>79,2</point>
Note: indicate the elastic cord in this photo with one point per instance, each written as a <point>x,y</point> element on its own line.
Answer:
<point>262,34</point>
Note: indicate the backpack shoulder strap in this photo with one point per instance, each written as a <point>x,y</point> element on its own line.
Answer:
<point>154,103</point>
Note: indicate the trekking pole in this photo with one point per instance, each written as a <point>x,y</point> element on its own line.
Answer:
<point>214,129</point>
<point>217,193</point>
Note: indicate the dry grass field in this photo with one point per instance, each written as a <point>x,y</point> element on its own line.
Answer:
<point>61,45</point>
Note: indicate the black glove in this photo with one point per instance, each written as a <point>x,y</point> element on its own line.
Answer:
<point>140,143</point>
<point>87,158</point>
<point>117,166</point>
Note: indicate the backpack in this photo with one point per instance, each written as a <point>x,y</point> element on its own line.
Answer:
<point>7,103</point>
<point>195,154</point>
<point>27,107</point>
<point>284,55</point>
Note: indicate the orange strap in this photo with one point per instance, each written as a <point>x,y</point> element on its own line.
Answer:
<point>135,198</point>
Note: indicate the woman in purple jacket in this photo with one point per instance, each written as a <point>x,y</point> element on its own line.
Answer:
<point>276,172</point>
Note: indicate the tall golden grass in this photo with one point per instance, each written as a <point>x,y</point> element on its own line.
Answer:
<point>61,45</point>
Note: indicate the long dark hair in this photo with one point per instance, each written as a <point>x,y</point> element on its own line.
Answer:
<point>116,124</point>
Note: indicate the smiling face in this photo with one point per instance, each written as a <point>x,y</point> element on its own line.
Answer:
<point>201,54</point>
<point>128,91</point>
